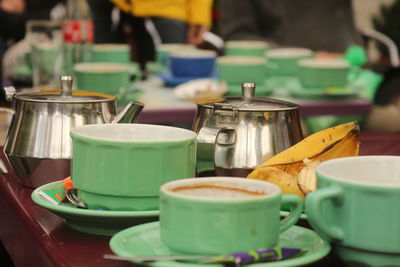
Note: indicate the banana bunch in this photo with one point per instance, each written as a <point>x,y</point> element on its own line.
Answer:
<point>293,169</point>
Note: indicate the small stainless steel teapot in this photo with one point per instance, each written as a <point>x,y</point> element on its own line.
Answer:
<point>38,144</point>
<point>235,134</point>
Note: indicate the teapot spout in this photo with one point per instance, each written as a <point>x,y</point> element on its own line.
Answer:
<point>130,113</point>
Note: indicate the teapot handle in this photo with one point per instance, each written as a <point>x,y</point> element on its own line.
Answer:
<point>206,140</point>
<point>209,137</point>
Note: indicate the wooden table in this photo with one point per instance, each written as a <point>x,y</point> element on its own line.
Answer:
<point>34,236</point>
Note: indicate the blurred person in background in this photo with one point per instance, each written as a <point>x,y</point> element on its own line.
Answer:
<point>147,23</point>
<point>318,25</point>
<point>176,21</point>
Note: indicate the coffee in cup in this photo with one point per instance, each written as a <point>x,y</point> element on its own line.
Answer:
<point>223,214</point>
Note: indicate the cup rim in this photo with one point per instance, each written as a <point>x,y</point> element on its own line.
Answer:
<point>325,169</point>
<point>81,133</point>
<point>194,54</point>
<point>87,67</point>
<point>319,63</point>
<point>246,44</point>
<point>283,53</point>
<point>113,47</point>
<point>165,189</point>
<point>242,60</point>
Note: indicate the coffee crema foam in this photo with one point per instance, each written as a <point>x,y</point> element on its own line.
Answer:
<point>216,192</point>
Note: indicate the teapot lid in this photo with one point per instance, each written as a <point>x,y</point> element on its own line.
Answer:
<point>65,94</point>
<point>248,102</point>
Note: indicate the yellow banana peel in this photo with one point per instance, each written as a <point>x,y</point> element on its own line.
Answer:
<point>293,170</point>
<point>313,144</point>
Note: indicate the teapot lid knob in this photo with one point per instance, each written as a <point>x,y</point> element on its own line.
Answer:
<point>66,85</point>
<point>248,90</point>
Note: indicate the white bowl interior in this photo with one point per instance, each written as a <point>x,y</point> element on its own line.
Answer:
<point>220,188</point>
<point>368,170</point>
<point>101,67</point>
<point>324,63</point>
<point>135,132</point>
<point>241,60</point>
<point>288,53</point>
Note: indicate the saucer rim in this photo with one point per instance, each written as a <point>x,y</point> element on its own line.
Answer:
<point>86,212</point>
<point>114,245</point>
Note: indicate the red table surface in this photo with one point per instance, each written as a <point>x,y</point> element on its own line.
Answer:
<point>34,236</point>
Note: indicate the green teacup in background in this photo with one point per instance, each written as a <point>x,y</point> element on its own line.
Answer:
<point>117,53</point>
<point>245,48</point>
<point>234,70</point>
<point>356,204</point>
<point>108,78</point>
<point>223,215</point>
<point>323,73</point>
<point>122,166</point>
<point>283,61</point>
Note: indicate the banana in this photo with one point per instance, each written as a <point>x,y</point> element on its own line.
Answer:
<point>298,162</point>
<point>313,144</point>
<point>347,147</point>
<point>284,180</point>
<point>307,179</point>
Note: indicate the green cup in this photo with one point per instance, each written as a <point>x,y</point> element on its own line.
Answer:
<point>163,51</point>
<point>108,78</point>
<point>223,214</point>
<point>122,166</point>
<point>356,204</point>
<point>234,70</point>
<point>117,53</point>
<point>283,61</point>
<point>246,48</point>
<point>320,74</point>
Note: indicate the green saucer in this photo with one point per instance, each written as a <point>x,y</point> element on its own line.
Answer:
<point>358,257</point>
<point>144,240</point>
<point>296,90</point>
<point>94,221</point>
<point>261,90</point>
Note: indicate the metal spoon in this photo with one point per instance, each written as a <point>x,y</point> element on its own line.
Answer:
<point>72,196</point>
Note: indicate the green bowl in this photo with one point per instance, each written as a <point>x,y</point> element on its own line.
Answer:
<point>122,166</point>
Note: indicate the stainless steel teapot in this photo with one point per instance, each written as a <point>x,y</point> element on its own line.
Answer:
<point>38,144</point>
<point>235,134</point>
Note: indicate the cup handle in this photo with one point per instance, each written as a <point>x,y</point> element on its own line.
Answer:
<point>314,211</point>
<point>296,204</point>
